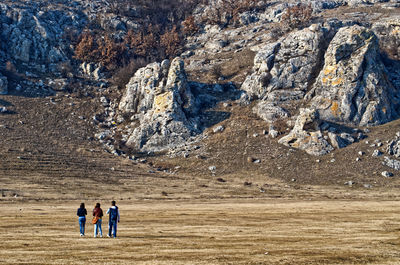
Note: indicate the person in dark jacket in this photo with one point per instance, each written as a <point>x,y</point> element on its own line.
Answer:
<point>113,214</point>
<point>98,214</point>
<point>82,218</point>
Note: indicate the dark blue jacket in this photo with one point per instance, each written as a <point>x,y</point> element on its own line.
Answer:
<point>81,212</point>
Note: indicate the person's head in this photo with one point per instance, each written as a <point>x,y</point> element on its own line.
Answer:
<point>97,205</point>
<point>113,203</point>
<point>82,205</point>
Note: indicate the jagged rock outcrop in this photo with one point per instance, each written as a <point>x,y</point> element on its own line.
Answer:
<point>393,147</point>
<point>290,63</point>
<point>3,85</point>
<point>306,134</point>
<point>353,86</point>
<point>35,35</point>
<point>163,106</point>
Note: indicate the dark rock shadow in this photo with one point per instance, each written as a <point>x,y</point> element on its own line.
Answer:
<point>208,96</point>
<point>4,103</point>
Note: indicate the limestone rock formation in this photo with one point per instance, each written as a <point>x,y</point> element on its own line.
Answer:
<point>162,103</point>
<point>290,63</point>
<point>306,134</point>
<point>34,35</point>
<point>353,86</point>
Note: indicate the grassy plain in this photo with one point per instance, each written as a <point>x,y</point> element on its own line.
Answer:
<point>206,232</point>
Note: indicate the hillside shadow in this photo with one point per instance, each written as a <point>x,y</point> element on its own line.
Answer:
<point>4,103</point>
<point>209,96</point>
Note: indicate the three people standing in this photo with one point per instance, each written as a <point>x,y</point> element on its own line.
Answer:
<point>114,218</point>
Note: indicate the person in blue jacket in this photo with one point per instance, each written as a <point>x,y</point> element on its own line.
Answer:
<point>113,214</point>
<point>82,218</point>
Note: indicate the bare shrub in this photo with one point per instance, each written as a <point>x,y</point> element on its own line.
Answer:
<point>228,11</point>
<point>86,49</point>
<point>143,43</point>
<point>171,42</point>
<point>124,74</point>
<point>216,72</point>
<point>189,26</point>
<point>296,17</point>
<point>111,53</point>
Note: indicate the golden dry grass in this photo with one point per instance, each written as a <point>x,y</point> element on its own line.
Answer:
<point>227,232</point>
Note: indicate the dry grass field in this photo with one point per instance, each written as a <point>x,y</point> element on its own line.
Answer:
<point>213,232</point>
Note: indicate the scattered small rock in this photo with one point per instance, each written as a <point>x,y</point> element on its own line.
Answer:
<point>247,183</point>
<point>218,129</point>
<point>221,180</point>
<point>387,174</point>
<point>376,153</point>
<point>367,186</point>
<point>273,133</point>
<point>349,183</point>
<point>361,153</point>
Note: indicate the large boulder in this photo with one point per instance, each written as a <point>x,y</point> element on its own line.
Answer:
<point>143,86</point>
<point>290,63</point>
<point>353,86</point>
<point>162,105</point>
<point>306,134</point>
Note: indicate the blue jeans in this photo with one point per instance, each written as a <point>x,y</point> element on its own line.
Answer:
<point>82,221</point>
<point>97,228</point>
<point>112,228</point>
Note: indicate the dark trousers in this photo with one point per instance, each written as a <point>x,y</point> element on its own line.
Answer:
<point>112,228</point>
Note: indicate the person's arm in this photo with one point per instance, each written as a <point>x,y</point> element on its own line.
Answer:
<point>118,215</point>
<point>108,211</point>
<point>85,212</point>
<point>77,212</point>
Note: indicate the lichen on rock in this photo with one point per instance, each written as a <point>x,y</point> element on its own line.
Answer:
<point>162,100</point>
<point>353,87</point>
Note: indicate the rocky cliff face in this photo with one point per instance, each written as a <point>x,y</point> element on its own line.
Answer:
<point>353,87</point>
<point>35,35</point>
<point>162,105</point>
<point>289,63</point>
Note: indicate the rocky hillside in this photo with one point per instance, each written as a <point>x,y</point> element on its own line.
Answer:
<point>219,87</point>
